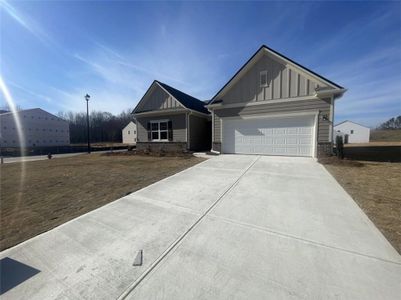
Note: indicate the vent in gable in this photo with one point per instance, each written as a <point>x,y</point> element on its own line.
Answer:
<point>263,79</point>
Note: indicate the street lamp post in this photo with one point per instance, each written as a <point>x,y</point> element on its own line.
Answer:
<point>87,122</point>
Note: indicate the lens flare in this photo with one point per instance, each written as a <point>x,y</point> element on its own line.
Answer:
<point>7,95</point>
<point>11,105</point>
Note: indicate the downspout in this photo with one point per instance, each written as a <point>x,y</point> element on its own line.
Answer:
<point>332,119</point>
<point>188,131</point>
<point>211,146</point>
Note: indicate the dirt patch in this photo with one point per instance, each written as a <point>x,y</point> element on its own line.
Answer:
<point>333,160</point>
<point>376,188</point>
<point>57,190</point>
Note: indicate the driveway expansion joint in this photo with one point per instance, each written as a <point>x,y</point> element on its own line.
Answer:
<point>294,237</point>
<point>174,245</point>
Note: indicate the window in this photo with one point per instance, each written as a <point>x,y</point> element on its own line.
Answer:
<point>129,132</point>
<point>352,132</point>
<point>134,131</point>
<point>159,130</point>
<point>263,79</point>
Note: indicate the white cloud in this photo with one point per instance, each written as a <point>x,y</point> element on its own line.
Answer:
<point>28,23</point>
<point>30,92</point>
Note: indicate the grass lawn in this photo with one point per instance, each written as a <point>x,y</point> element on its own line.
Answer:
<point>55,191</point>
<point>376,187</point>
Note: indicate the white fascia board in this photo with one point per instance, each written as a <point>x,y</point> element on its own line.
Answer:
<point>151,88</point>
<point>171,95</point>
<point>191,110</point>
<point>336,93</point>
<point>300,69</point>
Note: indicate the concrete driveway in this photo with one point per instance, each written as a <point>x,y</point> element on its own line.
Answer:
<point>232,227</point>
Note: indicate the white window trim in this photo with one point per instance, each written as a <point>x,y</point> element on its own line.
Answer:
<point>260,79</point>
<point>159,131</point>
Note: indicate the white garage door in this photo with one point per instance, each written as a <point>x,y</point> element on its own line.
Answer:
<point>291,136</point>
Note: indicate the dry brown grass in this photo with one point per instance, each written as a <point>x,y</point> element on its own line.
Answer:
<point>376,187</point>
<point>55,191</point>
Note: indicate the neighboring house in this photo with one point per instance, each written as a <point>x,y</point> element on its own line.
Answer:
<point>38,127</point>
<point>170,120</point>
<point>129,133</point>
<point>352,132</point>
<point>274,106</point>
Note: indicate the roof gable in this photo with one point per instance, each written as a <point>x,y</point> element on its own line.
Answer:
<point>279,58</point>
<point>131,124</point>
<point>156,98</point>
<point>162,96</point>
<point>348,121</point>
<point>186,100</point>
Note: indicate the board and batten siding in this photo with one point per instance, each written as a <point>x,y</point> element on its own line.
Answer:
<point>158,99</point>
<point>283,82</point>
<point>178,122</point>
<point>323,105</point>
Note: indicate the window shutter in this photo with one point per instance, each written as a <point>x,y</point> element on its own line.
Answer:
<point>149,133</point>
<point>170,130</point>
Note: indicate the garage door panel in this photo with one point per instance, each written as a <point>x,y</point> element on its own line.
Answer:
<point>271,136</point>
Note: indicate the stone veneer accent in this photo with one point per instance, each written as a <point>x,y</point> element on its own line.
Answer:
<point>158,147</point>
<point>324,149</point>
<point>216,147</point>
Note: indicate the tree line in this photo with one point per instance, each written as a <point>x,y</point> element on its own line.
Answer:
<point>104,126</point>
<point>393,123</point>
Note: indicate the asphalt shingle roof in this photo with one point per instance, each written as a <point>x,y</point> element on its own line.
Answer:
<point>185,99</point>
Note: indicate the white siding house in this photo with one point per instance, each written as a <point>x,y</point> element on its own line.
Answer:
<point>352,132</point>
<point>129,133</point>
<point>39,129</point>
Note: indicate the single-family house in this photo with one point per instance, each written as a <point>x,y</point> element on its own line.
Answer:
<point>129,133</point>
<point>352,132</point>
<point>171,120</point>
<point>274,106</point>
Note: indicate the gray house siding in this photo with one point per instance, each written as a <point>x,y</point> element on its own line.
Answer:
<point>178,123</point>
<point>284,107</point>
<point>158,99</point>
<point>199,133</point>
<point>283,82</point>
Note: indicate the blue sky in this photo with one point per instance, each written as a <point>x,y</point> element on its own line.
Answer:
<point>54,52</point>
